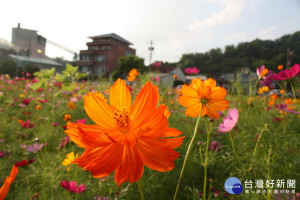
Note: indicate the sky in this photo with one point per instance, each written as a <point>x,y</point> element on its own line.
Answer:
<point>175,26</point>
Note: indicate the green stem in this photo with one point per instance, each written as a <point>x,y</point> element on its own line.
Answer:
<point>140,190</point>
<point>187,155</point>
<point>28,186</point>
<point>255,149</point>
<point>293,89</point>
<point>205,161</point>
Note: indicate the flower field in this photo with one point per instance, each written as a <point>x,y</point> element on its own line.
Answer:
<point>99,140</point>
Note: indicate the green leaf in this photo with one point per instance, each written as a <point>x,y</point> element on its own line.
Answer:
<point>79,76</point>
<point>59,77</point>
<point>38,84</point>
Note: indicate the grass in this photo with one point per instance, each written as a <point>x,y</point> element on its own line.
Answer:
<point>265,149</point>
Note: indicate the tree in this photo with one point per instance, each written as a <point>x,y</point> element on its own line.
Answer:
<point>29,69</point>
<point>126,63</point>
<point>8,66</point>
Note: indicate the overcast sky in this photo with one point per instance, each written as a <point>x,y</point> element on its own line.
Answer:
<point>174,26</point>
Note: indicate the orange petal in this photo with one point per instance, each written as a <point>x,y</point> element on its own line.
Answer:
<point>8,181</point>
<point>119,96</point>
<point>157,120</point>
<point>194,110</point>
<point>99,111</point>
<point>101,161</point>
<point>210,82</point>
<point>212,113</point>
<point>144,104</point>
<point>196,83</point>
<point>204,91</point>
<point>189,91</point>
<point>187,101</point>
<point>219,105</point>
<point>156,156</point>
<point>131,167</point>
<point>87,136</point>
<point>160,133</point>
<point>218,94</point>
<point>117,136</point>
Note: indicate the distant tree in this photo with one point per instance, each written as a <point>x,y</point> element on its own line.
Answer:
<point>246,54</point>
<point>29,69</point>
<point>8,66</point>
<point>126,63</point>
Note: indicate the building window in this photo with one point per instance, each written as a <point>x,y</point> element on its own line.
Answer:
<point>93,48</point>
<point>99,69</point>
<point>84,69</point>
<point>100,58</point>
<point>128,53</point>
<point>105,47</point>
<point>85,57</point>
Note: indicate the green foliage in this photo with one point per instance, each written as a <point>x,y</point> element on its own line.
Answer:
<point>8,66</point>
<point>68,77</point>
<point>126,63</point>
<point>44,77</point>
<point>274,156</point>
<point>246,54</point>
<point>31,69</point>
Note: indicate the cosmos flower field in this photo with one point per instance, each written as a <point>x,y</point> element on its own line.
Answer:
<point>141,139</point>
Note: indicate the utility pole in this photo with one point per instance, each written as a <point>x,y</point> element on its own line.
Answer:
<point>151,49</point>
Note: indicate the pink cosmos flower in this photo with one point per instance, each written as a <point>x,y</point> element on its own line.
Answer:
<point>229,121</point>
<point>157,64</point>
<point>215,146</point>
<point>192,70</point>
<point>63,143</point>
<point>25,124</point>
<point>284,108</point>
<point>43,101</point>
<point>72,186</point>
<point>73,99</point>
<point>4,154</point>
<point>2,140</point>
<point>26,101</point>
<point>82,121</point>
<point>287,73</point>
<point>35,147</point>
<point>55,124</point>
<point>157,78</point>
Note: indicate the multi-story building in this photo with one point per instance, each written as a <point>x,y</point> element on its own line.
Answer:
<point>102,54</point>
<point>28,42</point>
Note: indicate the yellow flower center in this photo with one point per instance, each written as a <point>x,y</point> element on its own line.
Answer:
<point>122,118</point>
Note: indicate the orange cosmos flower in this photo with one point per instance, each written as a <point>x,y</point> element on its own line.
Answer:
<point>282,91</point>
<point>271,102</point>
<point>38,107</point>
<point>71,105</point>
<point>203,95</point>
<point>288,101</point>
<point>280,67</point>
<point>126,137</point>
<point>264,72</point>
<point>274,96</point>
<point>175,76</point>
<point>68,117</point>
<point>8,181</point>
<point>132,74</point>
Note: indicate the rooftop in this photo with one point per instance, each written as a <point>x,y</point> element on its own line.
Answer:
<point>46,61</point>
<point>111,35</point>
